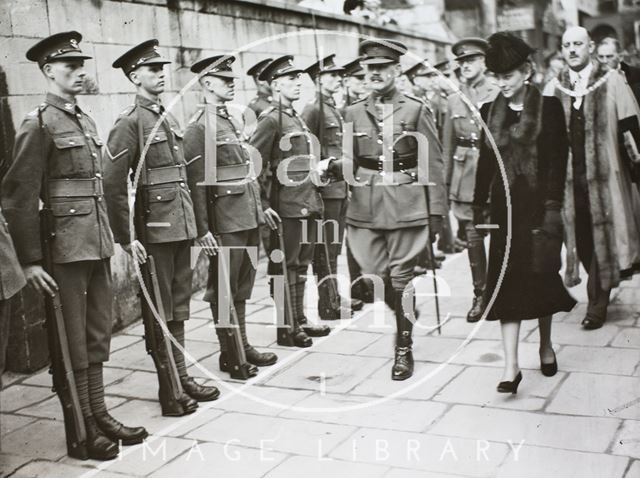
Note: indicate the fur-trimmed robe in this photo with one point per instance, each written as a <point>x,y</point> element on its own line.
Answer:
<point>614,201</point>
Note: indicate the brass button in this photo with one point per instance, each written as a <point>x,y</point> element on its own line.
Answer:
<point>98,175</point>
<point>72,211</point>
<point>72,141</point>
<point>94,155</point>
<point>176,148</point>
<point>158,198</point>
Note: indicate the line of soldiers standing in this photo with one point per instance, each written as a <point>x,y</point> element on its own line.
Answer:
<point>84,185</point>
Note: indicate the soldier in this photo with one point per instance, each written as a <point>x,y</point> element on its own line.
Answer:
<point>297,207</point>
<point>163,190</point>
<point>387,220</point>
<point>57,156</point>
<point>355,89</point>
<point>461,149</point>
<point>257,105</point>
<point>237,210</point>
<point>11,281</point>
<point>325,122</point>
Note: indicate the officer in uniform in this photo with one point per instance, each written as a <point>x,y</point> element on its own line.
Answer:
<point>325,122</point>
<point>257,105</point>
<point>298,207</point>
<point>387,216</point>
<point>11,281</point>
<point>57,155</point>
<point>237,207</point>
<point>355,89</point>
<point>461,147</point>
<point>170,220</point>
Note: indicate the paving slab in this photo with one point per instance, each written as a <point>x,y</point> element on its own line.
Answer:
<point>323,468</point>
<point>279,434</point>
<point>608,360</point>
<point>634,470</point>
<point>17,397</point>
<point>476,386</point>
<point>569,334</point>
<point>430,349</point>
<point>40,439</point>
<point>627,441</point>
<point>50,469</point>
<point>418,451</point>
<point>11,422</point>
<point>598,395</point>
<point>627,337</point>
<point>531,428</point>
<point>51,408</point>
<point>259,400</point>
<point>534,462</point>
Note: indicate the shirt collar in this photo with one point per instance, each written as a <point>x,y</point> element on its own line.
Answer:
<point>479,82</point>
<point>581,76</point>
<point>62,104</point>
<point>148,104</point>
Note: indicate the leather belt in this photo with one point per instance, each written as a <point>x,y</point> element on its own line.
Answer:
<point>164,175</point>
<point>233,172</point>
<point>467,142</point>
<point>377,165</point>
<point>76,187</point>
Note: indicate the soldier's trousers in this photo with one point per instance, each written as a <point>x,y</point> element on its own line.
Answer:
<point>4,334</point>
<point>86,295</point>
<point>299,237</point>
<point>173,264</point>
<point>388,253</point>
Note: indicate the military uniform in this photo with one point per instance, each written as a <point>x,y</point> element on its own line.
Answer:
<point>237,210</point>
<point>299,206</point>
<point>387,224</point>
<point>11,281</point>
<point>163,191</point>
<point>461,145</point>
<point>326,124</point>
<point>57,156</point>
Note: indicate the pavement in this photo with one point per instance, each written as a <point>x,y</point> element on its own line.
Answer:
<point>332,410</point>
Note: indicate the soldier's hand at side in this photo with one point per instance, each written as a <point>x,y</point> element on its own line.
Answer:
<point>435,227</point>
<point>208,244</point>
<point>38,278</point>
<point>137,251</point>
<point>272,218</point>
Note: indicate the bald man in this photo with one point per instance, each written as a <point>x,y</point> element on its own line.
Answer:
<point>601,207</point>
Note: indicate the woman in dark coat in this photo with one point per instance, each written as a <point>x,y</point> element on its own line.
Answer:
<point>530,134</point>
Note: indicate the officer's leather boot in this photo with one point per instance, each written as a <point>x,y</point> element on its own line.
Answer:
<point>478,263</point>
<point>117,432</point>
<point>99,446</point>
<point>390,297</point>
<point>403,361</point>
<point>301,319</point>
<point>259,359</point>
<point>300,337</point>
<point>200,393</point>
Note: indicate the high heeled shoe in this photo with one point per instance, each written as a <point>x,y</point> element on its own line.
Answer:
<point>549,369</point>
<point>510,387</point>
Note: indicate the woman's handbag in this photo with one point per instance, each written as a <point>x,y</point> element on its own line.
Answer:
<point>546,244</point>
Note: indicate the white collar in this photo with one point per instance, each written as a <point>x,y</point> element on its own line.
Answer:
<point>581,76</point>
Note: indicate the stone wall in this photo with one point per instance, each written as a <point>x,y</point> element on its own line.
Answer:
<point>187,30</point>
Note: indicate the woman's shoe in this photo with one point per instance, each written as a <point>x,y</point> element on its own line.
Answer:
<point>510,387</point>
<point>549,369</point>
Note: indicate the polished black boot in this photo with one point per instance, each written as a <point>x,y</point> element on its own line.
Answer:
<point>478,263</point>
<point>189,405</point>
<point>99,446</point>
<point>300,337</point>
<point>200,393</point>
<point>260,359</point>
<point>331,306</point>
<point>403,361</point>
<point>223,363</point>
<point>117,432</point>
<point>301,319</point>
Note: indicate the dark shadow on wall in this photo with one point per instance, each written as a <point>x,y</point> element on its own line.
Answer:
<point>7,129</point>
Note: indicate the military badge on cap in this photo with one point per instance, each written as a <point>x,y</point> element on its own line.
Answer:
<point>279,67</point>
<point>381,52</point>
<point>469,47</point>
<point>146,53</point>
<point>59,47</point>
<point>218,65</point>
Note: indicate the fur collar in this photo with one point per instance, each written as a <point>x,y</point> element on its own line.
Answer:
<point>518,143</point>
<point>598,72</point>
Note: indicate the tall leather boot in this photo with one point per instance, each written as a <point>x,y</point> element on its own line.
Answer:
<point>301,319</point>
<point>403,361</point>
<point>478,263</point>
<point>259,359</point>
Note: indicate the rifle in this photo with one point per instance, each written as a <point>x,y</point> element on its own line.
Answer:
<point>64,383</point>
<point>155,342</point>
<point>239,368</point>
<point>334,296</point>
<point>284,333</point>
<point>433,263</point>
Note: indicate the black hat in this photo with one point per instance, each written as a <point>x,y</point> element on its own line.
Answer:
<point>146,53</point>
<point>58,47</point>
<point>506,52</point>
<point>468,47</point>
<point>279,67</point>
<point>326,65</point>
<point>381,51</point>
<point>443,65</point>
<point>218,65</point>
<point>422,68</point>
<point>354,68</point>
<point>256,69</point>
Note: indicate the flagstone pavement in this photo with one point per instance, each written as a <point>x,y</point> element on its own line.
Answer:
<point>332,410</point>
